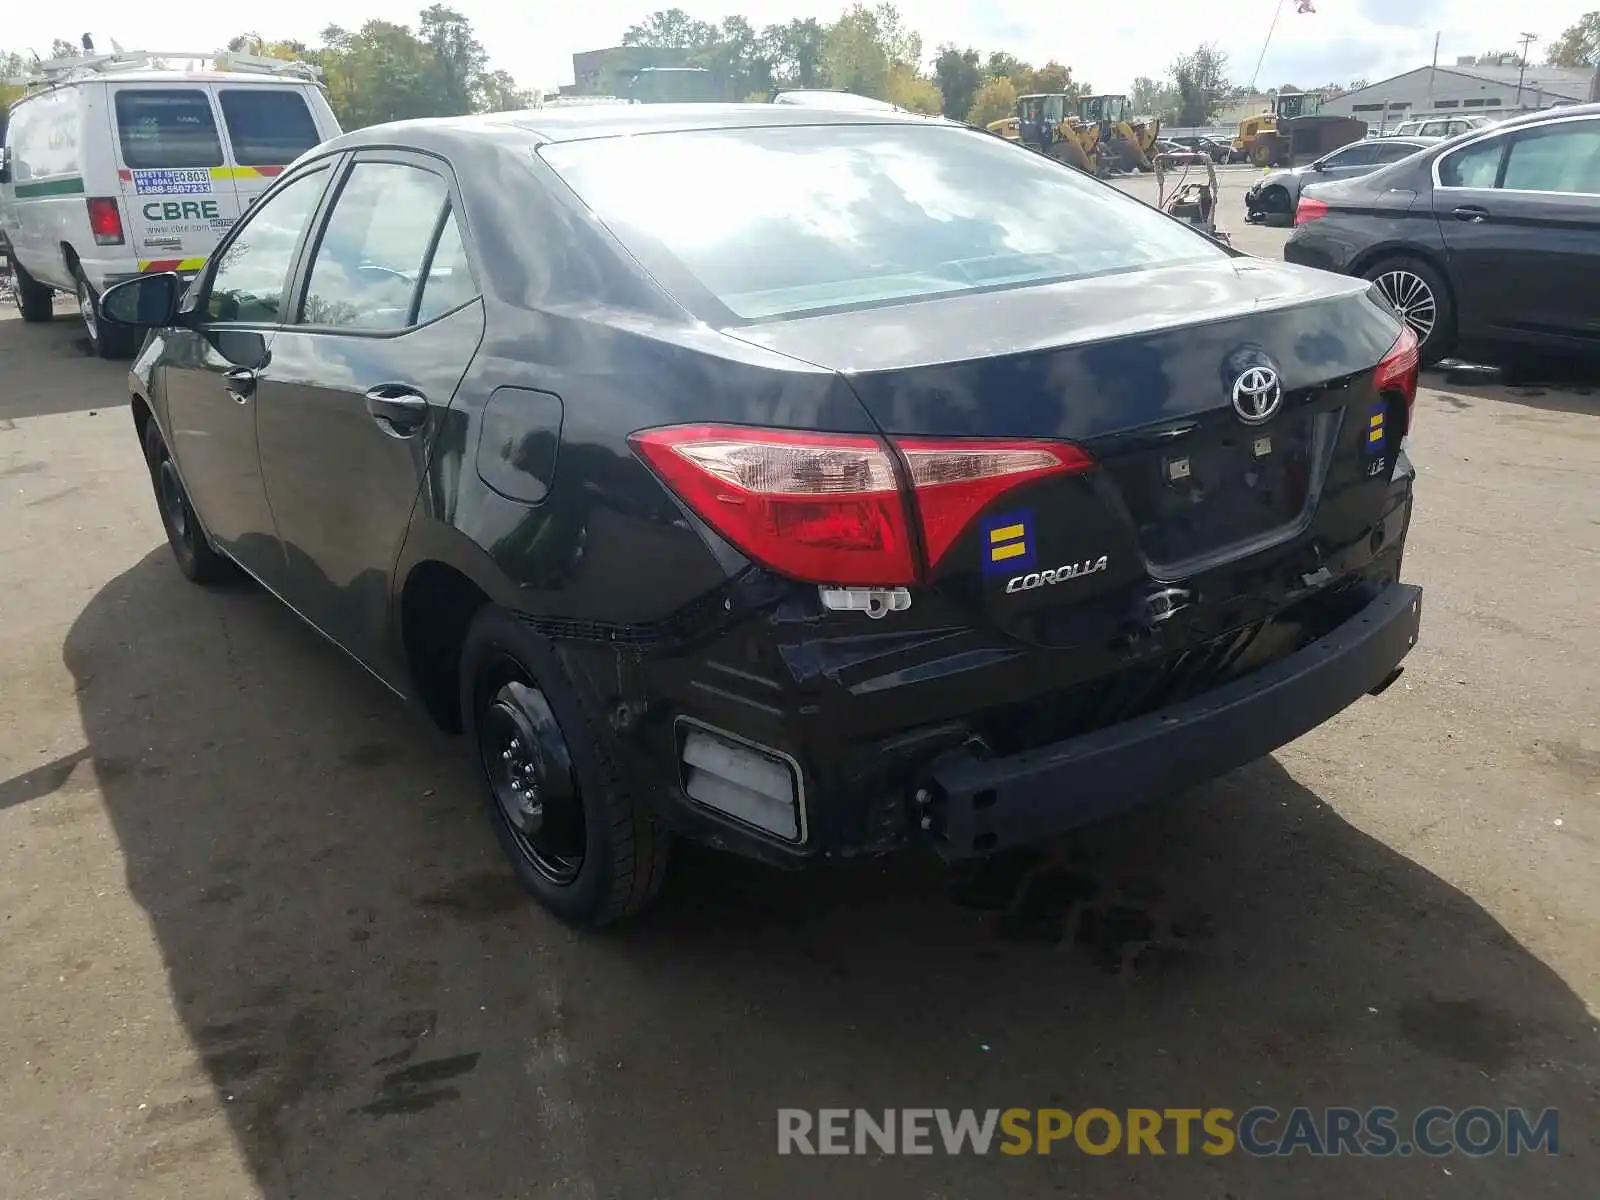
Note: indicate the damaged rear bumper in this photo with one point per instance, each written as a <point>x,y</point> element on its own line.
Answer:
<point>975,806</point>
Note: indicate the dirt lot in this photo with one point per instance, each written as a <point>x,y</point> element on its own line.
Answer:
<point>258,941</point>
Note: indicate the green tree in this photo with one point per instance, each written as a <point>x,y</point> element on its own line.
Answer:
<point>854,55</point>
<point>61,48</point>
<point>911,89</point>
<point>12,66</point>
<point>1002,64</point>
<point>959,74</point>
<point>498,92</point>
<point>997,98</point>
<point>457,60</point>
<point>1052,77</point>
<point>1201,81</point>
<point>1154,97</point>
<point>671,29</point>
<point>1578,46</point>
<point>381,72</point>
<point>795,51</point>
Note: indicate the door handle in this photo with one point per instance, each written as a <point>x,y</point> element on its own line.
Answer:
<point>240,382</point>
<point>399,410</point>
<point>1472,213</point>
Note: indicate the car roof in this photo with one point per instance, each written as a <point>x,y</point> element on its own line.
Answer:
<point>622,120</point>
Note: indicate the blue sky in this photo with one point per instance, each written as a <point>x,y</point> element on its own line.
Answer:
<point>1344,39</point>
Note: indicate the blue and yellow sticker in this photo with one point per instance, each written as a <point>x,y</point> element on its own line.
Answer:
<point>1374,435</point>
<point>1008,543</point>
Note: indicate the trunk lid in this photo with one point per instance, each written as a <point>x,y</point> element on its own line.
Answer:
<point>1142,370</point>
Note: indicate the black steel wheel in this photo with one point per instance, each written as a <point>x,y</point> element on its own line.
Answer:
<point>562,804</point>
<point>528,769</point>
<point>190,546</point>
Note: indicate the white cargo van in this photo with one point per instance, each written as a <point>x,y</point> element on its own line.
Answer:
<point>116,165</point>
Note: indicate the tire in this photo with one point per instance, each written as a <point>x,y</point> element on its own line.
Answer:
<point>190,546</point>
<point>105,341</point>
<point>525,720</point>
<point>1276,206</point>
<point>1400,277</point>
<point>35,301</point>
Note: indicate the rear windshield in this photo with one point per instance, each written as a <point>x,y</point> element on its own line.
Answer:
<point>792,219</point>
<point>167,127</point>
<point>268,128</point>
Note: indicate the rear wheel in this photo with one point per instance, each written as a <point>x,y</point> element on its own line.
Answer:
<point>1423,300</point>
<point>558,798</point>
<point>190,546</point>
<point>105,341</point>
<point>34,300</point>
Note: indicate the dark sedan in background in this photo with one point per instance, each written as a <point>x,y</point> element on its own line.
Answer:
<point>801,481</point>
<point>1272,199</point>
<point>1489,243</point>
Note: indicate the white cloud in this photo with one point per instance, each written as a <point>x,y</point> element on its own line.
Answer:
<point>1344,39</point>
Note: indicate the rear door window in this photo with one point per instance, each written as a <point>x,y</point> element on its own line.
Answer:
<point>267,127</point>
<point>1560,158</point>
<point>167,128</point>
<point>370,260</point>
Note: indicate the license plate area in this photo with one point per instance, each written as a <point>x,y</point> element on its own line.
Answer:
<point>1222,486</point>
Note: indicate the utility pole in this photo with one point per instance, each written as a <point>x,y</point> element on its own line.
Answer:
<point>1527,40</point>
<point>1433,71</point>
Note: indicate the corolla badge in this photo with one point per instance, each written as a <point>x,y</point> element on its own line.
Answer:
<point>1257,395</point>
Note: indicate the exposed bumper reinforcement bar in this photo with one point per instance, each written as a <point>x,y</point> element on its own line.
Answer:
<point>979,806</point>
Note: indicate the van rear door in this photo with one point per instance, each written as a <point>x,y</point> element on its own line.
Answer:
<point>267,128</point>
<point>173,172</point>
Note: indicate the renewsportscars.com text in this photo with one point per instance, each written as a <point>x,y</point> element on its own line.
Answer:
<point>1260,1132</point>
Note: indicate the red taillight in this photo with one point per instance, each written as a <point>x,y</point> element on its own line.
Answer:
<point>1397,372</point>
<point>954,480</point>
<point>829,508</point>
<point>105,220</point>
<point>1309,209</point>
<point>820,507</point>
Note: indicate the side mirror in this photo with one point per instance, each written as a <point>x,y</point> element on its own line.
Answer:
<point>5,164</point>
<point>148,302</point>
<point>1319,165</point>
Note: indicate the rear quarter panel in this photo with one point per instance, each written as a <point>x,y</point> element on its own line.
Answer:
<point>600,353</point>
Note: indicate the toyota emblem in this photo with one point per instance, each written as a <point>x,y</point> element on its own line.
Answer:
<point>1257,395</point>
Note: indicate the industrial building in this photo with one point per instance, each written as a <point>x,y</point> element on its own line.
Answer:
<point>1466,88</point>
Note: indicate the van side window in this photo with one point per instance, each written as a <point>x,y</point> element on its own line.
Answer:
<point>268,127</point>
<point>167,127</point>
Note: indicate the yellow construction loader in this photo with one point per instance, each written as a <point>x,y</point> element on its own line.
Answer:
<point>1295,131</point>
<point>1093,133</point>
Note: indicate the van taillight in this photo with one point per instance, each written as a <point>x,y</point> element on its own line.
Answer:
<point>832,508</point>
<point>1397,372</point>
<point>105,220</point>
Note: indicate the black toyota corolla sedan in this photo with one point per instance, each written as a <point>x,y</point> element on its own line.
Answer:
<point>803,483</point>
<point>1489,243</point>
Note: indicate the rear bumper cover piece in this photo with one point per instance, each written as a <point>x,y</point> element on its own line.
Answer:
<point>977,806</point>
